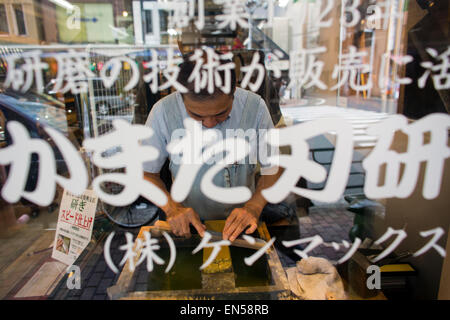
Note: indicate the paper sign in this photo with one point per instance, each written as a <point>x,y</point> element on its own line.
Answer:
<point>74,227</point>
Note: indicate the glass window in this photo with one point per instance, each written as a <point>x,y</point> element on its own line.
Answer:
<point>3,19</point>
<point>148,21</point>
<point>75,73</point>
<point>163,18</point>
<point>20,19</point>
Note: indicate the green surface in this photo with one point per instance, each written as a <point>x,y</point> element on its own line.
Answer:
<point>185,273</point>
<point>249,276</point>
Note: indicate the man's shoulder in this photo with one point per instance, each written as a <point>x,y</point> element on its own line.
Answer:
<point>168,103</point>
<point>253,115</point>
<point>241,95</point>
<point>164,109</point>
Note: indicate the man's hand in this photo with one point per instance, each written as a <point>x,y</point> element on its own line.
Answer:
<point>180,218</point>
<point>59,244</point>
<point>248,216</point>
<point>238,220</point>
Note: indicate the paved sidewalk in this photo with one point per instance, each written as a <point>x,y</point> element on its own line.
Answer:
<point>333,224</point>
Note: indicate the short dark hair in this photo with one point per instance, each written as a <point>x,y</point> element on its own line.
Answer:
<point>186,68</point>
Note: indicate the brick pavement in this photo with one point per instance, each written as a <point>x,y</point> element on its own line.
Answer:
<point>332,223</point>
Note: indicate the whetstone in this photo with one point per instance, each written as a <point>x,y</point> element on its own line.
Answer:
<point>218,275</point>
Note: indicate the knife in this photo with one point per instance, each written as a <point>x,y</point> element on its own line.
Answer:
<point>217,236</point>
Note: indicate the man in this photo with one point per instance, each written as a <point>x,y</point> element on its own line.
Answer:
<point>240,109</point>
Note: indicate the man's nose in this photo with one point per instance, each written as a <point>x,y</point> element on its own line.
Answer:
<point>209,122</point>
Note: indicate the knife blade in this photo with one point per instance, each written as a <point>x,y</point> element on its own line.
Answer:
<point>217,236</point>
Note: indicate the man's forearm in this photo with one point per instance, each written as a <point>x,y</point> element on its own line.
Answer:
<point>257,201</point>
<point>171,205</point>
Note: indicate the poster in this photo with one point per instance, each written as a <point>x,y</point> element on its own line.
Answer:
<point>86,22</point>
<point>74,228</point>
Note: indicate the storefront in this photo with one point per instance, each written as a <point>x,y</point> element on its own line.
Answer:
<point>102,197</point>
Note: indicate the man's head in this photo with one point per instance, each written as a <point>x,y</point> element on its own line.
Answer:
<point>209,108</point>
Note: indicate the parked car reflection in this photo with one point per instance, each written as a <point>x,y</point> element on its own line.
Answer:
<point>108,102</point>
<point>35,111</point>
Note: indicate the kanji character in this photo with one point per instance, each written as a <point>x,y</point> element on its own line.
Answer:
<point>25,146</point>
<point>437,234</point>
<point>401,234</point>
<point>22,77</point>
<point>147,253</point>
<point>185,11</point>
<point>206,75</point>
<point>249,70</point>
<point>251,260</point>
<point>215,245</point>
<point>351,64</point>
<point>401,183</point>
<point>314,242</point>
<point>130,253</point>
<point>87,221</point>
<point>115,66</point>
<point>131,157</point>
<point>400,60</point>
<point>171,71</point>
<point>200,23</point>
<point>234,14</point>
<point>73,70</point>
<point>298,164</point>
<point>180,16</point>
<point>74,204</point>
<point>153,76</point>
<point>441,80</point>
<point>305,70</point>
<point>310,17</point>
<point>193,157</point>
